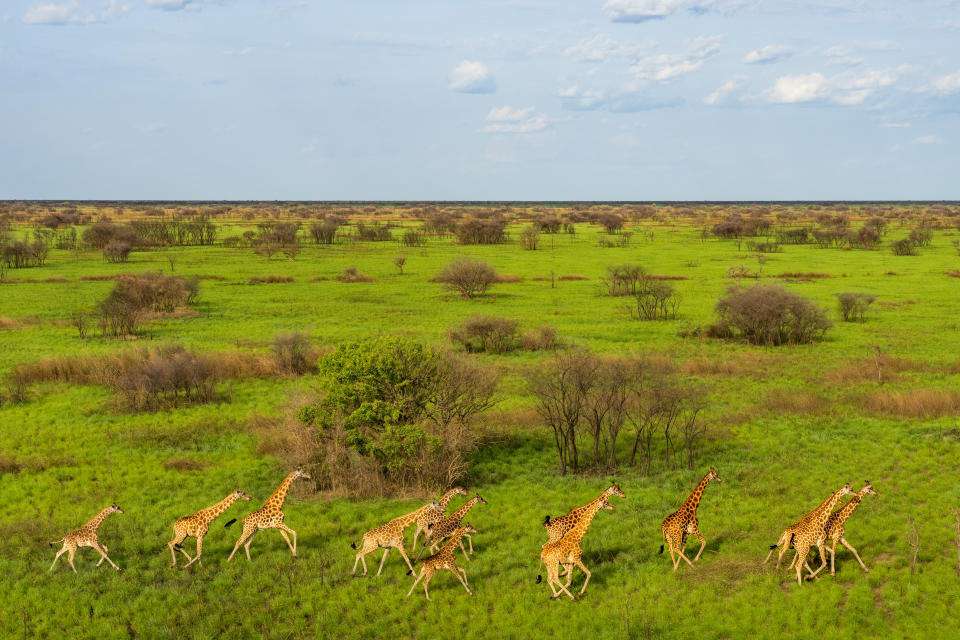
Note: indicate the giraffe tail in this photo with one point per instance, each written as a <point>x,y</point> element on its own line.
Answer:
<point>540,566</point>
<point>229,523</point>
<point>661,549</point>
<point>353,545</point>
<point>56,542</point>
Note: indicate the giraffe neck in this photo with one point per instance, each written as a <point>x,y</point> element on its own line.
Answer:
<point>413,516</point>
<point>446,498</point>
<point>848,508</point>
<point>212,512</point>
<point>454,540</point>
<point>98,519</point>
<point>822,513</point>
<point>580,528</point>
<point>276,500</point>
<point>694,500</point>
<point>457,515</point>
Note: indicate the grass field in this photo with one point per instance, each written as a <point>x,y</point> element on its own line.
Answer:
<point>787,426</point>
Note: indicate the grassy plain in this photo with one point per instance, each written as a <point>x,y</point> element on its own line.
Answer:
<point>788,425</point>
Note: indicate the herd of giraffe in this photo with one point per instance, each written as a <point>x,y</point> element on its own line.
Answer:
<point>818,528</point>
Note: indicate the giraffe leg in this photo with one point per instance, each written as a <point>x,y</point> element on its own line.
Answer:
<point>416,581</point>
<point>465,554</point>
<point>103,553</point>
<point>680,554</point>
<point>461,579</point>
<point>833,555</point>
<point>470,540</point>
<point>100,561</point>
<point>70,553</point>
<point>62,551</point>
<point>248,531</point>
<point>366,547</point>
<point>173,544</point>
<point>568,572</point>
<point>403,554</point>
<point>801,559</point>
<point>383,559</point>
<point>823,561</point>
<point>246,545</point>
<point>284,527</point>
<point>583,568</point>
<point>464,572</point>
<point>854,552</point>
<point>416,534</point>
<point>426,581</point>
<point>703,544</point>
<point>293,547</point>
<point>199,551</point>
<point>560,586</point>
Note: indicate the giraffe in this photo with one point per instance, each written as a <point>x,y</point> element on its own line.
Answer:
<point>434,516</point>
<point>683,522</point>
<point>558,527</point>
<point>437,532</point>
<point>445,559</point>
<point>198,525</point>
<point>567,551</point>
<point>812,532</point>
<point>86,536</point>
<point>787,538</point>
<point>388,536</point>
<point>270,516</point>
<point>835,525</point>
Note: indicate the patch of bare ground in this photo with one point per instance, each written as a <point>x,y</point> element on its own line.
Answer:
<point>727,572</point>
<point>913,403</point>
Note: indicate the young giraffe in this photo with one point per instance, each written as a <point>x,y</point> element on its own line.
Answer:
<point>683,522</point>
<point>835,525</point>
<point>270,516</point>
<point>197,526</point>
<point>444,559</point>
<point>558,527</point>
<point>567,551</point>
<point>86,536</point>
<point>437,532</point>
<point>388,536</point>
<point>813,532</point>
<point>434,516</point>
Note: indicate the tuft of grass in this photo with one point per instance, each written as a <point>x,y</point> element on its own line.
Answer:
<point>185,464</point>
<point>802,275</point>
<point>271,279</point>
<point>914,403</point>
<point>795,402</point>
<point>572,276</point>
<point>352,274</point>
<point>507,278</point>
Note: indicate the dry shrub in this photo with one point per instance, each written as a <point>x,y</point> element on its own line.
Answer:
<point>271,279</point>
<point>101,278</point>
<point>9,465</point>
<point>573,276</point>
<point>185,464</point>
<point>662,276</point>
<point>134,295</point>
<point>953,273</point>
<point>508,278</point>
<point>56,280</point>
<point>319,279</point>
<point>768,314</point>
<point>865,370</point>
<point>794,401</point>
<point>539,339</point>
<point>293,353</point>
<point>467,276</point>
<point>486,334</point>
<point>802,275</point>
<point>150,378</point>
<point>9,324</point>
<point>352,274</point>
<point>853,306</point>
<point>915,403</point>
<point>891,273</point>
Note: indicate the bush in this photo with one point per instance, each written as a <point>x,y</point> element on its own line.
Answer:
<point>352,274</point>
<point>853,306</point>
<point>530,237</point>
<point>492,230</point>
<point>134,295</point>
<point>396,415</point>
<point>324,231</point>
<point>413,238</point>
<point>905,247</point>
<point>292,353</point>
<point>467,276</point>
<point>768,314</point>
<point>539,339</point>
<point>657,301</point>
<point>623,280</point>
<point>100,234</point>
<point>486,334</point>
<point>117,251</point>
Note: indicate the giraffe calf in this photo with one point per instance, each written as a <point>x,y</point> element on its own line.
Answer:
<point>444,559</point>
<point>86,536</point>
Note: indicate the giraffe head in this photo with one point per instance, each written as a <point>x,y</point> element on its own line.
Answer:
<point>615,490</point>
<point>480,500</point>
<point>847,490</point>
<point>713,475</point>
<point>605,504</point>
<point>300,473</point>
<point>868,488</point>
<point>114,508</point>
<point>459,491</point>
<point>240,495</point>
<point>468,528</point>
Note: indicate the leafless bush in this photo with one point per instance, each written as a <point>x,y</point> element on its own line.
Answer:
<point>539,339</point>
<point>486,334</point>
<point>399,261</point>
<point>324,231</point>
<point>622,280</point>
<point>492,230</point>
<point>352,274</point>
<point>117,251</point>
<point>768,314</point>
<point>657,301</point>
<point>905,247</point>
<point>293,353</point>
<point>530,237</point>
<point>413,238</point>
<point>134,295</point>
<point>271,279</point>
<point>853,306</point>
<point>467,276</point>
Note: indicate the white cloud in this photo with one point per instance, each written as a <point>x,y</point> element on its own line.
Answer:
<point>238,52</point>
<point>666,67</point>
<point>66,13</point>
<point>948,84</point>
<point>169,5</point>
<point>73,13</point>
<point>768,54</point>
<point>897,125</point>
<point>510,120</point>
<point>600,47</point>
<point>472,77</point>
<point>577,99</point>
<point>643,10</point>
<point>844,88</point>
<point>725,92</point>
<point>926,140</point>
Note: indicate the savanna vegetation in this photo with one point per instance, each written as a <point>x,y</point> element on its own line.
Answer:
<point>161,355</point>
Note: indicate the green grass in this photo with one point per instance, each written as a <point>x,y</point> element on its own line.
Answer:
<point>67,453</point>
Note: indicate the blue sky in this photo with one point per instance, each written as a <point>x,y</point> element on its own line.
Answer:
<point>510,99</point>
